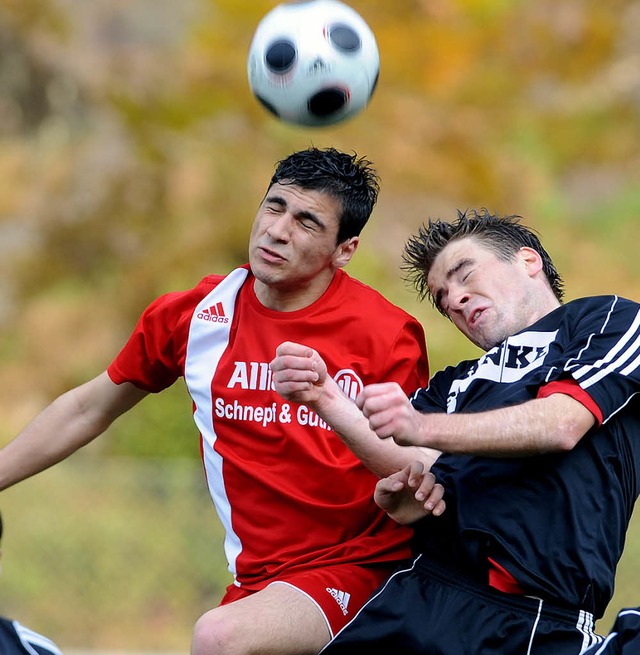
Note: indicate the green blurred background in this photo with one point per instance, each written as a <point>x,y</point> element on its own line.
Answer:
<point>132,160</point>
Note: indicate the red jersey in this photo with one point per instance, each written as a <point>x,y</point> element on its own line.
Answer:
<point>291,496</point>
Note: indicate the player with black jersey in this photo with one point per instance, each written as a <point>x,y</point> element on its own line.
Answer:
<point>540,442</point>
<point>17,639</point>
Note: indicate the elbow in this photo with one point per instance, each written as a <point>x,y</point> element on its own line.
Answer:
<point>567,435</point>
<point>566,421</point>
<point>565,443</point>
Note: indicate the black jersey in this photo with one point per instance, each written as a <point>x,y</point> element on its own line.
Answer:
<point>556,522</point>
<point>15,639</point>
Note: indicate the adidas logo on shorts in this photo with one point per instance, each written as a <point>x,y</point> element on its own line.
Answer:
<point>341,597</point>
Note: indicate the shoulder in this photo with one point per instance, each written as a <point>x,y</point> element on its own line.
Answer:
<point>201,289</point>
<point>603,312</point>
<point>370,299</point>
<point>17,638</point>
<point>187,300</point>
<point>605,303</point>
<point>591,312</point>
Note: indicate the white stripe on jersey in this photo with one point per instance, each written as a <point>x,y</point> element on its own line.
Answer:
<point>632,366</point>
<point>29,638</point>
<point>627,347</point>
<point>568,365</point>
<point>207,343</point>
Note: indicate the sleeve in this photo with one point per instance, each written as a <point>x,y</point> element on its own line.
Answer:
<point>570,387</point>
<point>407,361</point>
<point>153,357</point>
<point>603,354</point>
<point>32,642</point>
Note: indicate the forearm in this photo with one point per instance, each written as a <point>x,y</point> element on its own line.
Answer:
<point>382,457</point>
<point>70,422</point>
<point>52,435</point>
<point>543,425</point>
<point>300,375</point>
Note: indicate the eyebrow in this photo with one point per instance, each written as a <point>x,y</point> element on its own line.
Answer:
<point>279,200</point>
<point>467,261</point>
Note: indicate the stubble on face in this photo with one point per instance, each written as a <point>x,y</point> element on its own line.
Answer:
<point>292,245</point>
<point>487,298</point>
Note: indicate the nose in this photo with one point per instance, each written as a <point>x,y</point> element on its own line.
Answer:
<point>457,298</point>
<point>280,228</point>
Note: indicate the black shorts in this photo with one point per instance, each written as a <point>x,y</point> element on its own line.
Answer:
<point>426,609</point>
<point>624,638</point>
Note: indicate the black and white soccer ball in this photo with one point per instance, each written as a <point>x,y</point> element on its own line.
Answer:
<point>313,63</point>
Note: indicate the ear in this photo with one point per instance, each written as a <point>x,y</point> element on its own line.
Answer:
<point>531,260</point>
<point>345,251</point>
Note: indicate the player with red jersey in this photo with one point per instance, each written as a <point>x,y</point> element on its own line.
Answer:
<point>225,363</point>
<point>304,540</point>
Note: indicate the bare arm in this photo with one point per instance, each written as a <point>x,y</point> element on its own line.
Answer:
<point>555,423</point>
<point>71,421</point>
<point>300,375</point>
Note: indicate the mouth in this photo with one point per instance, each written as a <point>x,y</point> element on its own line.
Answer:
<point>270,256</point>
<point>473,317</point>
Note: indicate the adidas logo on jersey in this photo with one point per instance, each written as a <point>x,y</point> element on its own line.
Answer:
<point>341,597</point>
<point>215,314</point>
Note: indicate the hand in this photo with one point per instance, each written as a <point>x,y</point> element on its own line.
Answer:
<point>410,494</point>
<point>299,373</point>
<point>390,413</point>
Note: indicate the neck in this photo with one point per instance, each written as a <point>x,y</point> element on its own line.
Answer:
<point>552,304</point>
<point>288,300</point>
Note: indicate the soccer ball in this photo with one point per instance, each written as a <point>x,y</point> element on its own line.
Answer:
<point>313,63</point>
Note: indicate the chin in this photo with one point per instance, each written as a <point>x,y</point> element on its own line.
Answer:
<point>485,342</point>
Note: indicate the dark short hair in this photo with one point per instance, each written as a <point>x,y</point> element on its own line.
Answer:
<point>504,235</point>
<point>350,179</point>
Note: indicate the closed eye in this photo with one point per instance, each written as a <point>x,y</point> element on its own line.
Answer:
<point>437,302</point>
<point>275,205</point>
<point>310,221</point>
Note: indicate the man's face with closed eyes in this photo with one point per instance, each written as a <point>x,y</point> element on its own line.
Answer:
<point>488,299</point>
<point>292,250</point>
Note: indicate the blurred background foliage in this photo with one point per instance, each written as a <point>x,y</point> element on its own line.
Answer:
<point>132,160</point>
